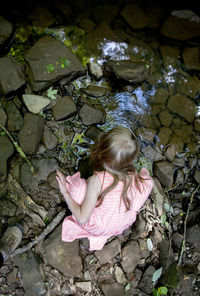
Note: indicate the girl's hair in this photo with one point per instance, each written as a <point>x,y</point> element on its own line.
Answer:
<point>114,152</point>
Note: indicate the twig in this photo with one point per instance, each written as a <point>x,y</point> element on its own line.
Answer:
<point>46,231</point>
<point>18,148</point>
<point>185,227</point>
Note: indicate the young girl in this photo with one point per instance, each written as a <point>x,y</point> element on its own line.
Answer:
<point>109,201</point>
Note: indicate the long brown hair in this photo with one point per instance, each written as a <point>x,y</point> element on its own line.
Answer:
<point>114,152</point>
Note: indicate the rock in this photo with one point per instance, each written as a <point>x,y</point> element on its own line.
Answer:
<point>160,96</point>
<point>182,106</point>
<point>174,140</point>
<point>41,17</point>
<point>184,133</point>
<point>165,118</point>
<point>104,12</point>
<point>180,177</point>
<point>179,162</point>
<point>197,176</point>
<point>95,70</point>
<point>91,115</point>
<point>5,29</point>
<point>147,134</point>
<point>177,240</point>
<point>146,284</point>
<point>85,286</point>
<point>63,256</point>
<point>128,71</point>
<point>49,139</point>
<point>3,116</point>
<point>31,133</point>
<point>31,274</point>
<point>93,132</point>
<point>191,58</point>
<point>104,274</point>
<point>138,227</point>
<point>114,289</point>
<point>180,28</point>
<point>197,124</point>
<point>157,108</point>
<point>135,16</point>
<point>64,108</point>
<point>64,8</point>
<point>35,103</point>
<point>87,25</point>
<point>158,196</point>
<point>11,277</point>
<point>171,151</point>
<point>166,254</point>
<point>6,151</point>
<point>188,86</point>
<point>95,91</point>
<point>170,55</point>
<point>164,135</point>
<point>15,119</point>
<point>131,256</point>
<point>152,154</point>
<point>119,275</point>
<point>49,51</point>
<point>43,167</point>
<point>8,208</point>
<point>164,171</point>
<point>192,162</point>
<point>109,251</point>
<point>12,75</point>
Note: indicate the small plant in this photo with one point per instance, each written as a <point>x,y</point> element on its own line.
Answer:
<point>51,93</point>
<point>160,291</point>
<point>50,68</point>
<point>64,63</point>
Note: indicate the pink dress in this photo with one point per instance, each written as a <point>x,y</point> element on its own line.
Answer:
<point>111,218</point>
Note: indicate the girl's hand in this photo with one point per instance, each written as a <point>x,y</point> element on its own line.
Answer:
<point>62,183</point>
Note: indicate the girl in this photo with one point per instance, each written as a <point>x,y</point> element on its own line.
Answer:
<point>109,201</point>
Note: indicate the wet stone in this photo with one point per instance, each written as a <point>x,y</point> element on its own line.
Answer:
<point>164,171</point>
<point>91,115</point>
<point>12,75</point>
<point>109,251</point>
<point>15,119</point>
<point>3,116</point>
<point>95,91</point>
<point>93,132</point>
<point>95,70</point>
<point>31,133</point>
<point>64,108</point>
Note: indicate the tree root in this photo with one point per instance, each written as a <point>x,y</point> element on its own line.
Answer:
<point>46,231</point>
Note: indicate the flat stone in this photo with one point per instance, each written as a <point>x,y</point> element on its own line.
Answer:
<point>95,91</point>
<point>131,256</point>
<point>91,115</point>
<point>5,29</point>
<point>63,256</point>
<point>6,151</point>
<point>179,28</point>
<point>64,108</point>
<point>135,16</point>
<point>114,289</point>
<point>191,58</point>
<point>35,103</point>
<point>15,119</point>
<point>49,139</point>
<point>49,51</point>
<point>109,251</point>
<point>93,132</point>
<point>3,116</point>
<point>119,275</point>
<point>164,171</point>
<point>31,133</point>
<point>12,75</point>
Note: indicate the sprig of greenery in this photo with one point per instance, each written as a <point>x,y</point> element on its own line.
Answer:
<point>65,63</point>
<point>51,93</point>
<point>18,148</point>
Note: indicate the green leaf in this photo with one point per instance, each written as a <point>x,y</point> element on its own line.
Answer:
<point>149,244</point>
<point>168,207</point>
<point>157,274</point>
<point>163,219</point>
<point>50,68</point>
<point>127,287</point>
<point>51,93</point>
<point>155,292</point>
<point>64,62</point>
<point>162,290</point>
<point>2,133</point>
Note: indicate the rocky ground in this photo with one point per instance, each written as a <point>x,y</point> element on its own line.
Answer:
<point>62,83</point>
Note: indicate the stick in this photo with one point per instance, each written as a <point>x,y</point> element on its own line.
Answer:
<point>46,231</point>
<point>185,226</point>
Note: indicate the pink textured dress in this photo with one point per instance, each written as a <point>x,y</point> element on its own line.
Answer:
<point>111,218</point>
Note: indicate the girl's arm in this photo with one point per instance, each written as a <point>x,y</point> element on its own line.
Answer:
<point>81,212</point>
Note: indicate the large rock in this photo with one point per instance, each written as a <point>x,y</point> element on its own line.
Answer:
<point>35,103</point>
<point>31,133</point>
<point>6,150</point>
<point>131,255</point>
<point>64,108</point>
<point>109,251</point>
<point>135,16</point>
<point>182,106</point>
<point>126,70</point>
<point>164,171</point>
<point>15,119</point>
<point>63,256</point>
<point>180,28</point>
<point>92,114</point>
<point>5,29</point>
<point>12,75</point>
<point>49,51</point>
